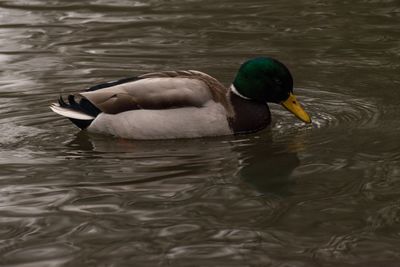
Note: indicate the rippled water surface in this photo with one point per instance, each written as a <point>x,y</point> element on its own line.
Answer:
<point>327,194</point>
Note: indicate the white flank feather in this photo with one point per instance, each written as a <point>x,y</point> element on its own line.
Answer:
<point>73,114</point>
<point>187,122</point>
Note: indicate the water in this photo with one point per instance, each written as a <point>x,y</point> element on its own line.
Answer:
<point>325,194</point>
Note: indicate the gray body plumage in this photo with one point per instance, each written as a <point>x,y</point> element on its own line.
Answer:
<point>164,105</point>
<point>184,122</point>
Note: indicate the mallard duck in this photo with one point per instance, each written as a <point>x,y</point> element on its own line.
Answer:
<point>184,104</point>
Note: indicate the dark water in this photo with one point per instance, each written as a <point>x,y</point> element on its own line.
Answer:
<point>292,195</point>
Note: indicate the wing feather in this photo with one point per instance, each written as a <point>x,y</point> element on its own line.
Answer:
<point>160,90</point>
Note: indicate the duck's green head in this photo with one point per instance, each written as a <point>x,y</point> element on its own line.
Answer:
<point>266,79</point>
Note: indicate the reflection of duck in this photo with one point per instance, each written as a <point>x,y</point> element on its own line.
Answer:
<point>263,164</point>
<point>268,167</point>
<point>89,142</point>
<point>148,161</point>
<point>184,104</point>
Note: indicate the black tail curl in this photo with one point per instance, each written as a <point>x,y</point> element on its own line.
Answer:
<point>84,106</point>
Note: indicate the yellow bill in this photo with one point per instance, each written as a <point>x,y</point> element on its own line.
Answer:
<point>293,106</point>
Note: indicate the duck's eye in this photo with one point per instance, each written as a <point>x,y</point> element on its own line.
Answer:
<point>278,81</point>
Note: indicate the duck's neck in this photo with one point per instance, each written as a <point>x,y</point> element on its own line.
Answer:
<point>250,116</point>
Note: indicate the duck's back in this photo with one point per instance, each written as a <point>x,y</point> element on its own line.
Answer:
<point>162,90</point>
